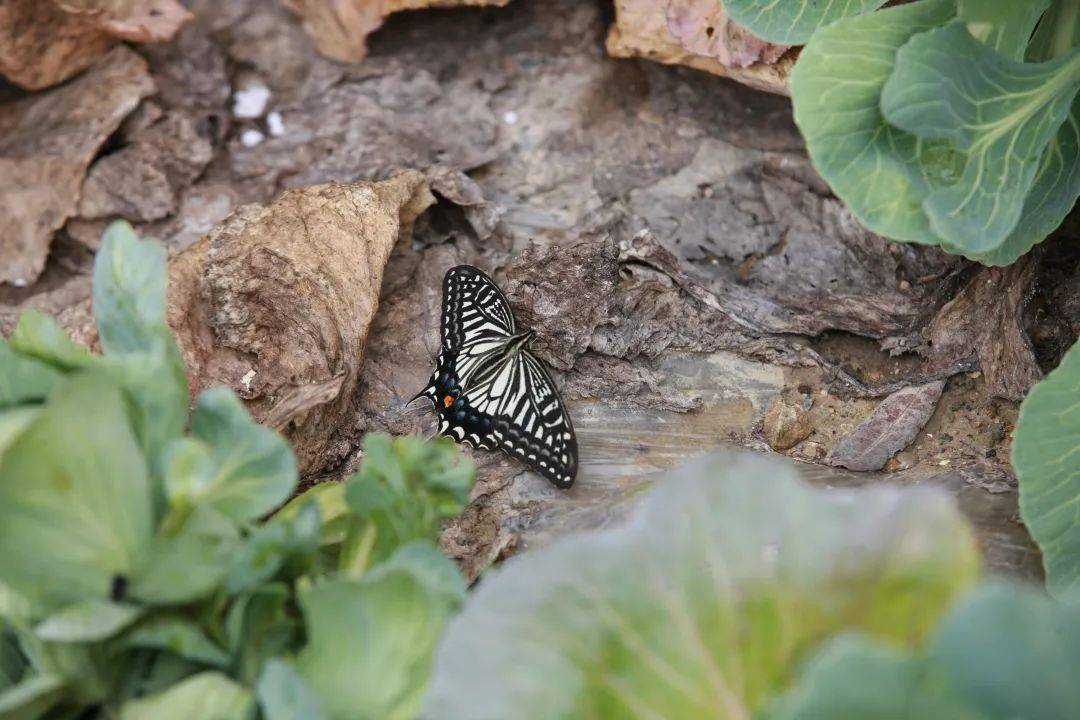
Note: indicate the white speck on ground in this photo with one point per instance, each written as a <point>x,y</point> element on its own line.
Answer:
<point>250,102</point>
<point>510,117</point>
<point>248,377</point>
<point>275,124</point>
<point>251,137</point>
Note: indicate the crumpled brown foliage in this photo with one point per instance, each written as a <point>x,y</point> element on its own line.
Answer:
<point>677,32</point>
<point>704,28</point>
<point>987,321</point>
<point>47,141</point>
<point>140,182</point>
<point>277,301</point>
<point>340,27</point>
<point>44,42</point>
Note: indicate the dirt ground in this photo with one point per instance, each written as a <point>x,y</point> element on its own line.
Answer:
<point>661,228</point>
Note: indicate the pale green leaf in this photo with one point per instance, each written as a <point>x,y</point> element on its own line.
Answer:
<point>272,546</point>
<point>261,625</point>
<point>999,113</point>
<point>24,379</point>
<point>1058,31</point>
<point>31,698</point>
<point>406,488</point>
<point>370,643</point>
<point>1003,653</point>
<point>39,336</point>
<point>427,563</point>
<point>283,694</point>
<point>129,290</point>
<point>1004,26</point>
<point>180,637</point>
<point>187,559</point>
<point>1046,455</point>
<point>206,696</point>
<point>1052,196</point>
<point>12,423</point>
<point>880,172</point>
<point>157,390</point>
<point>793,21</point>
<point>255,470</point>
<point>75,498</point>
<point>855,678</point>
<point>90,620</point>
<point>705,604</point>
<point>329,497</point>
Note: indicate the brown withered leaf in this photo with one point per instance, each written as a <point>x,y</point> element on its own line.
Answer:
<point>986,320</point>
<point>134,20</point>
<point>277,301</point>
<point>702,27</point>
<point>44,42</point>
<point>140,182</point>
<point>340,27</point>
<point>891,426</point>
<point>643,28</point>
<point>46,143</point>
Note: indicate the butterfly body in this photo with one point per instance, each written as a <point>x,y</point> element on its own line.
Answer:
<point>488,389</point>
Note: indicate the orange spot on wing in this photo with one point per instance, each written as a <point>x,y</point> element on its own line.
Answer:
<point>448,401</point>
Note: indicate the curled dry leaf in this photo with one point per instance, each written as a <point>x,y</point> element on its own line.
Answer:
<point>696,33</point>
<point>277,301</point>
<point>134,20</point>
<point>44,42</point>
<point>704,28</point>
<point>141,181</point>
<point>340,27</point>
<point>986,320</point>
<point>888,429</point>
<point>46,143</point>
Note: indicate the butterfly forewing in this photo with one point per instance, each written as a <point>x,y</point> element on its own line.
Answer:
<point>489,391</point>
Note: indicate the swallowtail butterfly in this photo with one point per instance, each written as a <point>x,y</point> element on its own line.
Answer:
<point>488,390</point>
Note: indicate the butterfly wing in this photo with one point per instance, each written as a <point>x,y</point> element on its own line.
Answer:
<point>476,319</point>
<point>528,418</point>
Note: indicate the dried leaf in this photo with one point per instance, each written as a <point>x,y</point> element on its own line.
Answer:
<point>41,45</point>
<point>46,143</point>
<point>891,426</point>
<point>986,321</point>
<point>676,32</point>
<point>704,28</point>
<point>134,20</point>
<point>339,27</point>
<point>44,42</point>
<point>141,181</point>
<point>278,300</point>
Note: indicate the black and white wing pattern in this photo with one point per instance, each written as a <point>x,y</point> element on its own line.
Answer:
<point>476,318</point>
<point>488,390</point>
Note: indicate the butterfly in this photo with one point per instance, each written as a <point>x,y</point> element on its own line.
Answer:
<point>488,390</point>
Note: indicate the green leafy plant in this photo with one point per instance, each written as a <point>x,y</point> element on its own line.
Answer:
<point>1003,652</point>
<point>137,579</point>
<point>704,606</point>
<point>1046,455</point>
<point>944,122</point>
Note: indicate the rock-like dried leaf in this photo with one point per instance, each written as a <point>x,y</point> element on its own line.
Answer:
<point>703,27</point>
<point>677,33</point>
<point>281,297</point>
<point>888,429</point>
<point>339,27</point>
<point>46,143</point>
<point>44,42</point>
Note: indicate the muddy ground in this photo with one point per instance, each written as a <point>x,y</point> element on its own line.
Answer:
<point>694,283</point>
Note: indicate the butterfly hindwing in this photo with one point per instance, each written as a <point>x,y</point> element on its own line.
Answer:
<point>536,428</point>
<point>488,390</point>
